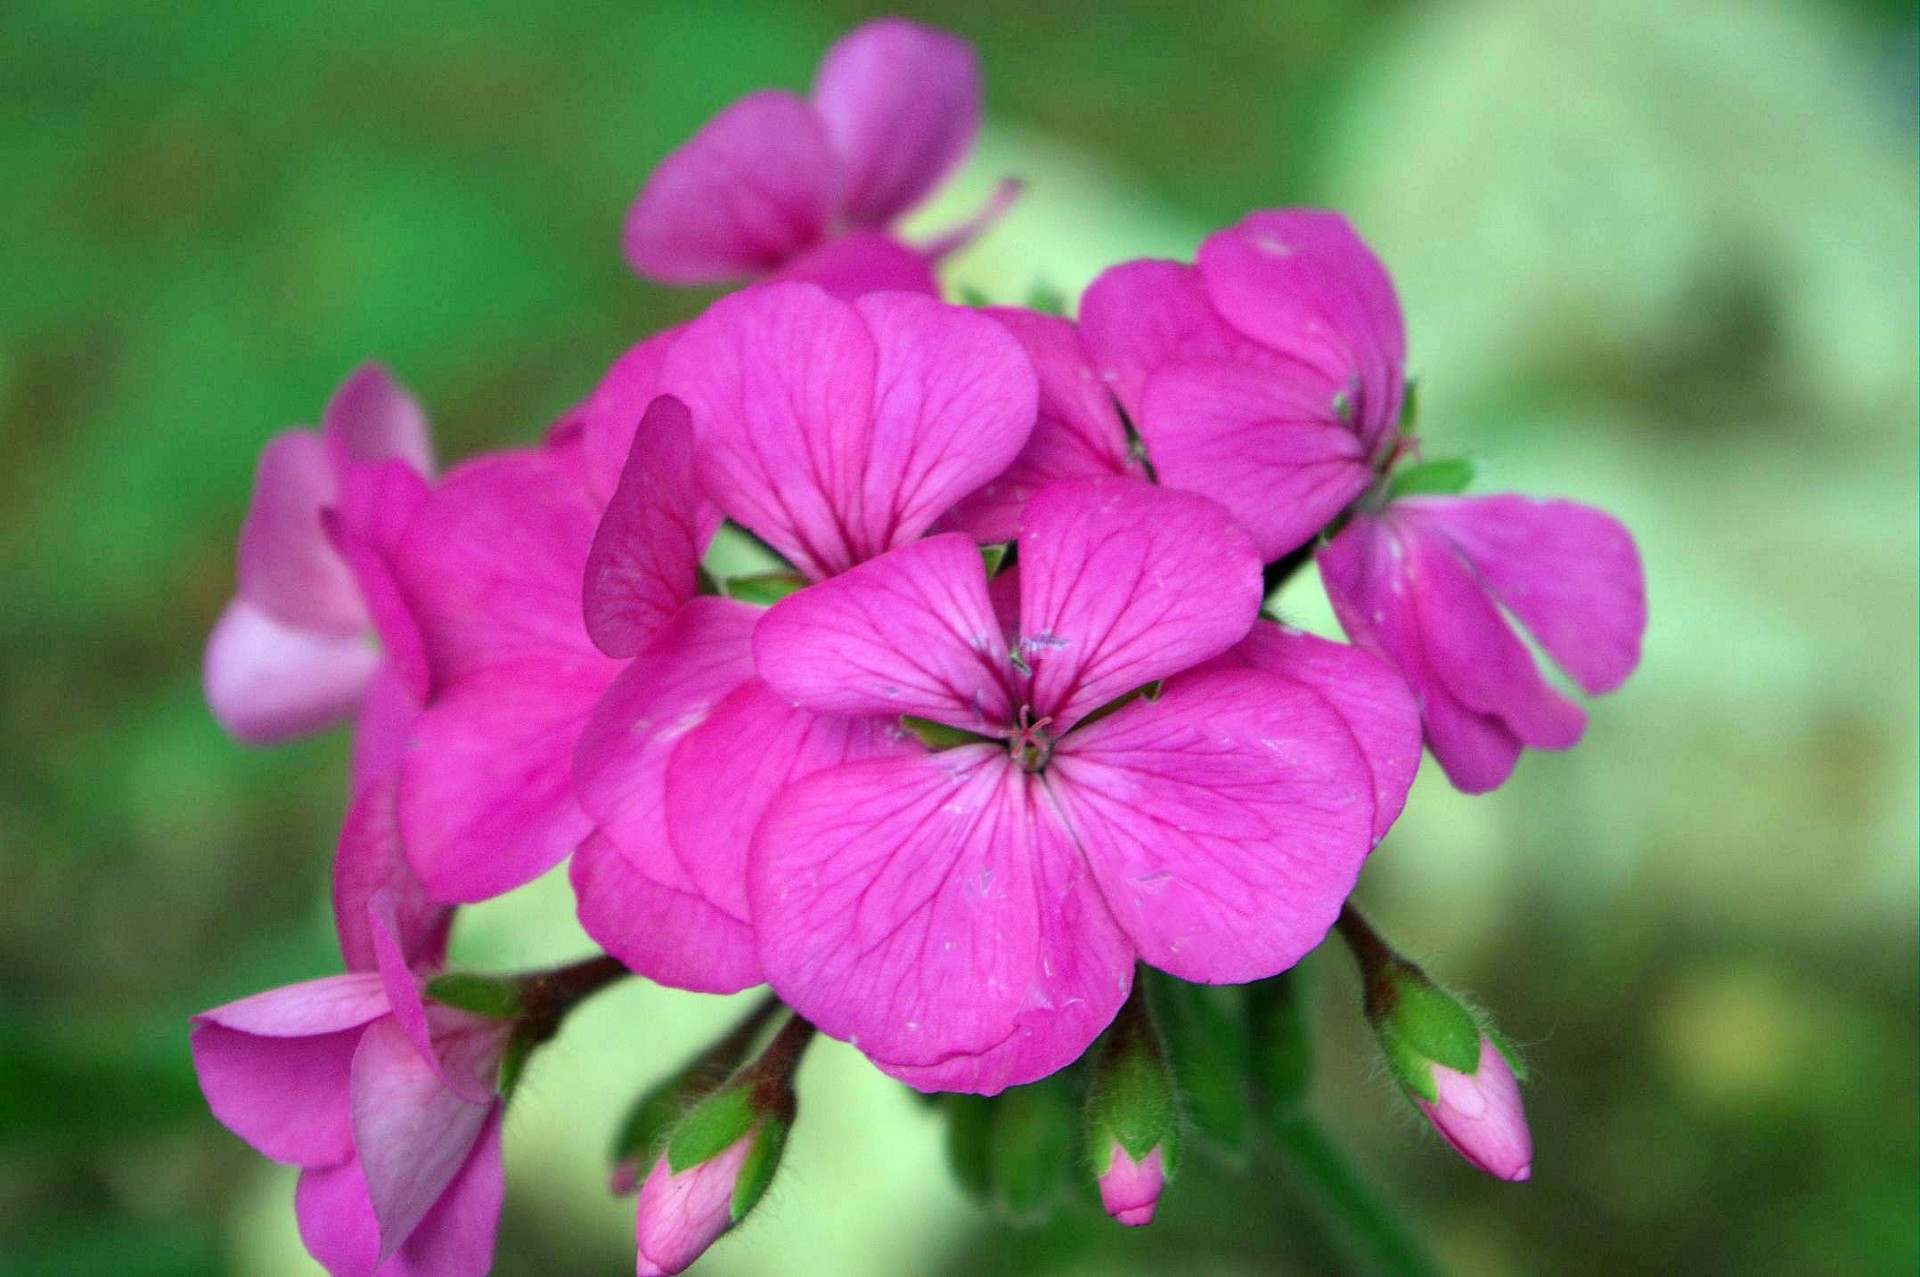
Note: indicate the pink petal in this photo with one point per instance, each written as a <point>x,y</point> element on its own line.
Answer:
<point>863,261</point>
<point>901,103</point>
<point>1078,431</point>
<point>268,682</point>
<point>929,908</point>
<point>1123,583</point>
<point>611,415</point>
<point>486,797</point>
<point>1225,822</point>
<point>336,1221</point>
<point>1370,696</point>
<point>672,937</point>
<point>1141,315</point>
<point>1481,1116</point>
<point>911,632</point>
<point>1570,573</point>
<point>1303,284</point>
<point>1266,445</point>
<point>380,731</point>
<point>645,559</point>
<point>371,417</point>
<point>837,431</point>
<point>406,1007</point>
<point>274,1067</point>
<point>620,761</point>
<point>411,1133</point>
<point>755,186</point>
<point>456,1238</point>
<point>729,770</point>
<point>286,566</point>
<point>378,502</point>
<point>1130,1190</point>
<point>370,860</point>
<point>679,1216</point>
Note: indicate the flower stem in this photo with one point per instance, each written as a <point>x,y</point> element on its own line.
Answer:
<point>1366,1228</point>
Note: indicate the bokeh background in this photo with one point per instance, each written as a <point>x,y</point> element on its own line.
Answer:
<point>1656,256</point>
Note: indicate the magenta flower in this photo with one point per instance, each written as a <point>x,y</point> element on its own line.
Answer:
<point>835,432</point>
<point>1435,584</point>
<point>294,651</point>
<point>385,1102</point>
<point>970,917</point>
<point>1130,1190</point>
<point>1480,1114</point>
<point>779,185</point>
<point>1269,375</point>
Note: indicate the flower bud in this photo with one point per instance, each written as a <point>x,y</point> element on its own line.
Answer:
<point>1479,1113</point>
<point>654,1115</point>
<point>1132,1115</point>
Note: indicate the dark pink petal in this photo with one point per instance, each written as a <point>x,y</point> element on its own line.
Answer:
<point>901,103</point>
<point>863,261</point>
<point>1303,284</point>
<point>1370,696</point>
<point>486,798</point>
<point>492,563</point>
<point>411,1133</point>
<point>1141,315</point>
<point>378,502</point>
<point>1225,822</point>
<point>1078,431</point>
<point>729,770</point>
<point>755,186</point>
<point>611,414</point>
<point>371,417</point>
<point>1123,583</point>
<point>369,861</point>
<point>929,908</point>
<point>287,568</point>
<point>620,761</point>
<point>1264,444</point>
<point>274,1067</point>
<point>911,632</point>
<point>672,937</point>
<point>645,560</point>
<point>1569,572</point>
<point>268,682</point>
<point>456,1238</point>
<point>380,731</point>
<point>336,1221</point>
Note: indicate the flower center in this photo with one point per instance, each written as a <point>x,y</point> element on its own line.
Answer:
<point>1030,744</point>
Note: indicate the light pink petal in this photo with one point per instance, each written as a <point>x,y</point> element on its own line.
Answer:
<point>381,729</point>
<point>268,682</point>
<point>901,103</point>
<point>456,1239</point>
<point>412,1133</point>
<point>326,1005</point>
<point>371,417</point>
<point>679,1216</point>
<point>286,566</point>
<point>645,560</point>
<point>1370,696</point>
<point>486,796</point>
<point>1078,431</point>
<point>378,501</point>
<point>406,1007</point>
<point>1225,821</point>
<point>611,414</point>
<point>929,908</point>
<point>1302,283</point>
<point>1123,583</point>
<point>1569,572</point>
<point>492,563</point>
<point>620,761</point>
<point>670,936</point>
<point>1130,1190</point>
<point>911,632</point>
<point>1481,1115</point>
<point>755,186</point>
<point>729,770</point>
<point>370,860</point>
<point>863,261</point>
<point>336,1221</point>
<point>1266,445</point>
<point>1141,315</point>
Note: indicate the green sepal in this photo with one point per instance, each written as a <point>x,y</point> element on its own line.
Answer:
<point>1205,1030</point>
<point>1282,1041</point>
<point>1033,1144</point>
<point>993,556</point>
<point>1410,406</point>
<point>1424,1025</point>
<point>1440,478</point>
<point>938,736</point>
<point>756,1172</point>
<point>710,1128</point>
<point>1046,299</point>
<point>970,1121</point>
<point>653,1116</point>
<point>495,997</point>
<point>765,588</point>
<point>1507,1050</point>
<point>1132,1101</point>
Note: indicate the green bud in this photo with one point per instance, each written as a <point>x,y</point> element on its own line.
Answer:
<point>1419,1025</point>
<point>1133,1101</point>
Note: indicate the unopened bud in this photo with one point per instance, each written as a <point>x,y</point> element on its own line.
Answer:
<point>1133,1123</point>
<point>1130,1190</point>
<point>654,1114</point>
<point>1480,1114</point>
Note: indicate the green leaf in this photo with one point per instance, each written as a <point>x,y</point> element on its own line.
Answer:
<point>756,1172</point>
<point>1032,1148</point>
<point>938,736</point>
<point>1282,1041</point>
<point>496,997</point>
<point>711,1128</point>
<point>1205,1029</point>
<point>1433,478</point>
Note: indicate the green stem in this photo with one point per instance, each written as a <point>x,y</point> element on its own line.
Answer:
<point>1366,1227</point>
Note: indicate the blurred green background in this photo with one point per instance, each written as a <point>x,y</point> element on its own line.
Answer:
<point>1656,256</point>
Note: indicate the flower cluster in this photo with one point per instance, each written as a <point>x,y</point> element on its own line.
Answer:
<point>997,718</point>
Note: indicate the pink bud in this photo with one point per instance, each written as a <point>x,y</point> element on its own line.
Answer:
<point>681,1215</point>
<point>1480,1114</point>
<point>1129,1189</point>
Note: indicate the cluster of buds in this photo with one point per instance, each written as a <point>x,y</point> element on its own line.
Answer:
<point>913,659</point>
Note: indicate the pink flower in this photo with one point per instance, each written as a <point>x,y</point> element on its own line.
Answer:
<point>779,185</point>
<point>1130,1190</point>
<point>970,917</point>
<point>1480,1114</point>
<point>1435,584</point>
<point>1269,376</point>
<point>293,653</point>
<point>680,1215</point>
<point>386,1102</point>
<point>833,431</point>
